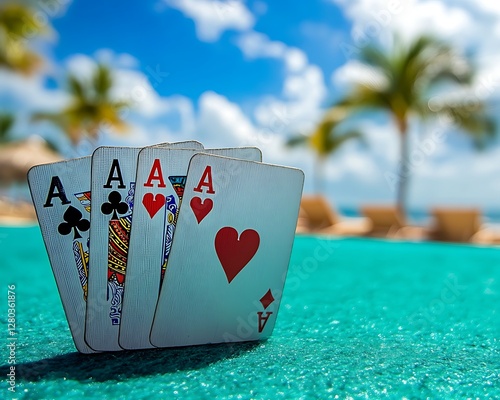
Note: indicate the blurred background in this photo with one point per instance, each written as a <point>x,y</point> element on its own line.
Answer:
<point>379,102</point>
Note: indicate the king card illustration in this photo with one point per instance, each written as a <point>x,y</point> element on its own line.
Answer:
<point>172,208</point>
<point>76,222</point>
<point>118,243</point>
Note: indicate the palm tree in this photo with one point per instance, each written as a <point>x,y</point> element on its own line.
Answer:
<point>405,77</point>
<point>18,25</point>
<point>91,107</point>
<point>325,140</point>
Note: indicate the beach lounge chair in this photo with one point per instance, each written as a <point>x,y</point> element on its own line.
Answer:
<point>317,216</point>
<point>302,222</point>
<point>455,224</point>
<point>387,222</point>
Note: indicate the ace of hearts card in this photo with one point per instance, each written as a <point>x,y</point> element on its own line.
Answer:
<point>230,253</point>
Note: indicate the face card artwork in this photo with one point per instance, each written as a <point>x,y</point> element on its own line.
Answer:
<point>160,185</point>
<point>74,223</point>
<point>61,195</point>
<point>226,271</point>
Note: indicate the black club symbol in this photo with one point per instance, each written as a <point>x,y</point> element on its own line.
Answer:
<point>115,205</point>
<point>74,221</point>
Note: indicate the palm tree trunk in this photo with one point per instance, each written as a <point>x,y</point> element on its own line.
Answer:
<point>319,166</point>
<point>403,175</point>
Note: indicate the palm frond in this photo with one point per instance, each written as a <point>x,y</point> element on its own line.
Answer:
<point>350,135</point>
<point>76,88</point>
<point>414,68</point>
<point>364,97</point>
<point>327,137</point>
<point>6,124</point>
<point>91,107</point>
<point>376,58</point>
<point>15,53</point>
<point>475,122</point>
<point>102,81</point>
<point>298,140</point>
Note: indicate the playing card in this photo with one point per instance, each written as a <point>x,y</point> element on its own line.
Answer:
<point>61,195</point>
<point>187,144</point>
<point>230,253</point>
<point>113,185</point>
<point>161,176</point>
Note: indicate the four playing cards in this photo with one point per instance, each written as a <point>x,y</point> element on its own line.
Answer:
<point>168,245</point>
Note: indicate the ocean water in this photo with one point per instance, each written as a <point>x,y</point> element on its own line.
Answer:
<point>359,318</point>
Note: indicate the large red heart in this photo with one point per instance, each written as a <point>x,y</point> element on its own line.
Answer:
<point>153,203</point>
<point>201,208</point>
<point>235,253</point>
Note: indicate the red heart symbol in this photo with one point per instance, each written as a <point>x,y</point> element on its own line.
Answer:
<point>201,208</point>
<point>235,253</point>
<point>153,203</point>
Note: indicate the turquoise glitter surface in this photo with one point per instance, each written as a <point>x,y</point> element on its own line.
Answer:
<point>359,318</point>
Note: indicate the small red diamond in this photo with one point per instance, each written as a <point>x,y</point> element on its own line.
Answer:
<point>267,299</point>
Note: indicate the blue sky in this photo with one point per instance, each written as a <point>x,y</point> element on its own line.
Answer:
<point>162,38</point>
<point>254,72</point>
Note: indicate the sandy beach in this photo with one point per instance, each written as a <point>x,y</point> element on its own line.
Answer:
<point>16,213</point>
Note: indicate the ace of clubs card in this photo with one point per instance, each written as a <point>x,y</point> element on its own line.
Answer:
<point>227,267</point>
<point>61,195</point>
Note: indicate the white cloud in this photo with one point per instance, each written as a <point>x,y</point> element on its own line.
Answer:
<point>213,17</point>
<point>28,94</point>
<point>356,72</point>
<point>300,107</point>
<point>465,23</point>
<point>257,45</point>
<point>351,163</point>
<point>120,60</point>
<point>303,91</point>
<point>222,123</point>
<point>308,84</point>
<point>486,6</point>
<point>295,59</point>
<point>471,182</point>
